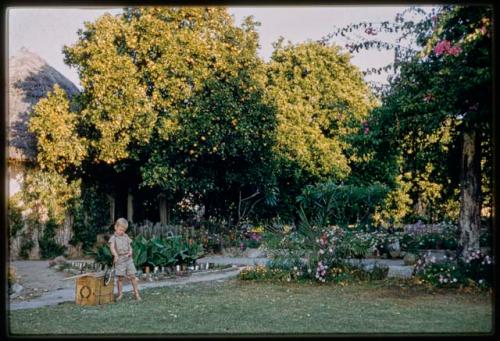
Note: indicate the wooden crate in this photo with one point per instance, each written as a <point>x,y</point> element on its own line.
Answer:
<point>90,290</point>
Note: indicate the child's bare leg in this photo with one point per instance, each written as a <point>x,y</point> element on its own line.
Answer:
<point>119,286</point>
<point>134,285</point>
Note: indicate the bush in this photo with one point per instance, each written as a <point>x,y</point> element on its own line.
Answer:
<point>476,269</point>
<point>341,204</point>
<point>50,249</point>
<point>26,245</point>
<point>447,239</point>
<point>48,246</point>
<point>15,217</point>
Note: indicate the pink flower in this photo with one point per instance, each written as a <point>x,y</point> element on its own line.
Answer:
<point>455,50</point>
<point>366,130</point>
<point>444,47</point>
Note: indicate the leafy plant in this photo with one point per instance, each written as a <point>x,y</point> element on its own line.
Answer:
<point>102,255</point>
<point>49,248</point>
<point>140,251</point>
<point>25,247</point>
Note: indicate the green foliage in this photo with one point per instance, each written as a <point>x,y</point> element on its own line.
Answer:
<point>329,203</point>
<point>140,251</point>
<point>90,213</point>
<point>45,196</point>
<point>341,273</point>
<point>102,255</point>
<point>169,251</point>
<point>49,248</point>
<point>321,99</point>
<point>176,97</point>
<point>15,217</point>
<point>476,270</point>
<point>59,145</point>
<point>439,95</point>
<point>48,191</point>
<point>356,245</point>
<point>440,89</point>
<point>430,241</point>
<point>25,247</point>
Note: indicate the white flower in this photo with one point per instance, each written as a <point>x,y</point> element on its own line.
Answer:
<point>481,281</point>
<point>295,268</point>
<point>446,280</point>
<point>454,280</point>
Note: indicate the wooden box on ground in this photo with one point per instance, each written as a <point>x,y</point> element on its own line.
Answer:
<point>90,290</point>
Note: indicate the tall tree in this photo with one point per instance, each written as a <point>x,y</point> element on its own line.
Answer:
<point>173,97</point>
<point>321,100</point>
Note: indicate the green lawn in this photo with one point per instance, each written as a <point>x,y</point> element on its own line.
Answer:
<point>248,307</point>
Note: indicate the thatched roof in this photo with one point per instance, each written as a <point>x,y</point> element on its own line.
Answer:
<point>30,79</point>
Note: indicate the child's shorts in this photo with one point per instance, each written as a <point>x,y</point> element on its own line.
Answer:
<point>125,266</point>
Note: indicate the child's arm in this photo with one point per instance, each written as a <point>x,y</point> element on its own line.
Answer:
<point>112,248</point>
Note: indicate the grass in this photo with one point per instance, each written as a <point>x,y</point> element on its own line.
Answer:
<point>240,307</point>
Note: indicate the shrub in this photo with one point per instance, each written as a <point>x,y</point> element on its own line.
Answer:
<point>26,245</point>
<point>341,204</point>
<point>476,269</point>
<point>49,248</point>
<point>15,217</point>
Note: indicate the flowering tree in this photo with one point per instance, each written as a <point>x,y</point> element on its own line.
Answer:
<point>446,91</point>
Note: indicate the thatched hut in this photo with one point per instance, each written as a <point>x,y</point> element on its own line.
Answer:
<point>30,79</point>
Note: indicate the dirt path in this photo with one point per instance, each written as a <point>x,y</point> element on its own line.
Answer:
<point>37,278</point>
<point>54,297</point>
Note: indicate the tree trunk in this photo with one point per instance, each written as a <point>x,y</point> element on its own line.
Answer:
<point>469,222</point>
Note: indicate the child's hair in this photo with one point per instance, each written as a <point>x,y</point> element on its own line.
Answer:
<point>121,222</point>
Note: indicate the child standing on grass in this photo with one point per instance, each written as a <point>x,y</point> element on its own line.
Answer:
<point>119,243</point>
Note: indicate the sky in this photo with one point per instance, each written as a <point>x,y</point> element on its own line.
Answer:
<point>45,30</point>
